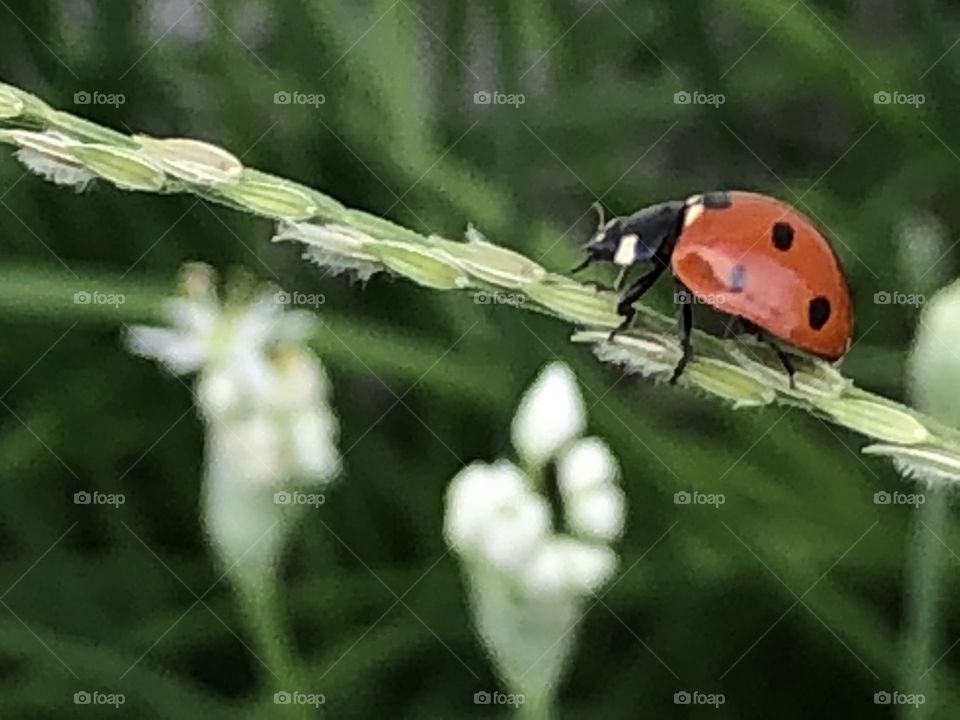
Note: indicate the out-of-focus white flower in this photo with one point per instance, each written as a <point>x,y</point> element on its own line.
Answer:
<point>934,362</point>
<point>527,581</point>
<point>265,400</point>
<point>550,415</point>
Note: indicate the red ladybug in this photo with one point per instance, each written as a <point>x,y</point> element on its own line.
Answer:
<point>749,256</point>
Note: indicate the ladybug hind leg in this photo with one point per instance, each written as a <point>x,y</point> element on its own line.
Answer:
<point>783,357</point>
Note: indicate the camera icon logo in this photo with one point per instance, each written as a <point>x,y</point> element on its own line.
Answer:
<point>81,698</point>
<point>681,498</point>
<point>881,698</point>
<point>681,698</point>
<point>281,698</point>
<point>82,98</point>
<point>82,498</point>
<point>81,298</point>
<point>482,98</point>
<point>282,498</point>
<point>683,298</point>
<point>882,98</point>
<point>481,298</point>
<point>882,498</point>
<point>282,298</point>
<point>882,298</point>
<point>682,98</point>
<point>282,98</point>
<point>482,698</point>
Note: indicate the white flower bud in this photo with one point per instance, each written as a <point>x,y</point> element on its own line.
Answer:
<point>563,566</point>
<point>550,415</point>
<point>585,466</point>
<point>599,513</point>
<point>492,517</point>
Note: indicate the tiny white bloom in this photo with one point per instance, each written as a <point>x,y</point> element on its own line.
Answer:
<point>564,567</point>
<point>598,514</point>
<point>550,415</point>
<point>593,505</point>
<point>493,517</point>
<point>586,465</point>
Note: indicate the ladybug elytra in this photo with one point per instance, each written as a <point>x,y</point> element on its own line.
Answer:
<point>747,255</point>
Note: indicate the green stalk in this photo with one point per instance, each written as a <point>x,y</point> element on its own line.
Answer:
<point>68,149</point>
<point>926,577</point>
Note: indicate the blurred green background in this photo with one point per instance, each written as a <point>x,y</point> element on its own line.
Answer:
<point>789,599</point>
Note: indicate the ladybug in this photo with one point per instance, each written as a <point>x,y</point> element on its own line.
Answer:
<point>749,256</point>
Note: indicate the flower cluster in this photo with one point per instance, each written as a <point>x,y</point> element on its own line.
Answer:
<point>265,401</point>
<point>496,515</point>
<point>530,564</point>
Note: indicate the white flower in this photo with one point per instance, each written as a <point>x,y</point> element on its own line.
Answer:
<point>527,582</point>
<point>934,362</point>
<point>594,506</point>
<point>265,401</point>
<point>550,415</point>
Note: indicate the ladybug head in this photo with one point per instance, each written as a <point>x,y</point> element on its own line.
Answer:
<point>606,243</point>
<point>636,238</point>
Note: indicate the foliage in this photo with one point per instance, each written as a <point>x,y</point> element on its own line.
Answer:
<point>400,136</point>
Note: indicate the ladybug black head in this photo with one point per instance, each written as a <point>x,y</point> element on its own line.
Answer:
<point>638,237</point>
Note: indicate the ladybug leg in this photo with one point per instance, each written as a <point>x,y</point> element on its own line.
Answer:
<point>634,293</point>
<point>787,364</point>
<point>685,327</point>
<point>781,356</point>
<point>617,285</point>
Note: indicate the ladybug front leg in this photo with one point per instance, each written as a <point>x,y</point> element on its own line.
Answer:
<point>685,328</point>
<point>634,293</point>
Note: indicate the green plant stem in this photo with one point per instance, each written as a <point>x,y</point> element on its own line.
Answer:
<point>925,568</point>
<point>56,144</point>
<point>263,610</point>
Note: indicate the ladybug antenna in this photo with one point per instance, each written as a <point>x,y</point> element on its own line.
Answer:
<point>598,206</point>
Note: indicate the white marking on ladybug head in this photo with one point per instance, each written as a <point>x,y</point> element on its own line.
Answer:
<point>693,211</point>
<point>626,254</point>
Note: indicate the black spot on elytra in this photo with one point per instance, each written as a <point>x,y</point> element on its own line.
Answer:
<point>818,312</point>
<point>782,236</point>
<point>737,278</point>
<point>717,200</point>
